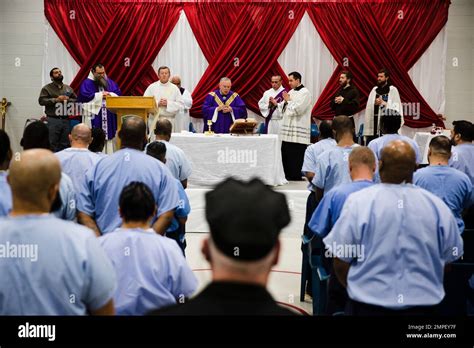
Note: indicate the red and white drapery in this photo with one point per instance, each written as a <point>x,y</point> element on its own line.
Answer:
<point>239,39</point>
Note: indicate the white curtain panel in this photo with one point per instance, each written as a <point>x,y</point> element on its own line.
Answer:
<point>305,53</point>
<point>56,55</point>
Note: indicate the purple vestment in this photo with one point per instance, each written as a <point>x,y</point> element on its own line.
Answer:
<point>86,94</point>
<point>224,120</point>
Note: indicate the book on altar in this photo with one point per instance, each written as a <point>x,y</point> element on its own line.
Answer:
<point>243,126</point>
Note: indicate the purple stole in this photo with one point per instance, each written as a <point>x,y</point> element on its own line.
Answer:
<point>279,99</point>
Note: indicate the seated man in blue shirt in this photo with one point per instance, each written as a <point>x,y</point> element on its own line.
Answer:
<point>151,269</point>
<point>58,267</point>
<point>177,228</point>
<point>362,168</point>
<point>6,155</point>
<point>77,159</point>
<point>449,184</point>
<point>99,197</point>
<point>392,242</point>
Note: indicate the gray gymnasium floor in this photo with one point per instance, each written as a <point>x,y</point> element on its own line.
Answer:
<point>284,282</point>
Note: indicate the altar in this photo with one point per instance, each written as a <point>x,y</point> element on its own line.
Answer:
<point>216,157</point>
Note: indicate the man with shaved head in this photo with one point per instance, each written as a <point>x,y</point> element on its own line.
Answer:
<point>98,198</point>
<point>183,120</point>
<point>362,168</point>
<point>58,260</point>
<point>392,242</point>
<point>77,159</point>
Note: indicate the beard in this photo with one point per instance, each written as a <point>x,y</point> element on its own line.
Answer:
<point>101,82</point>
<point>58,79</point>
<point>381,84</point>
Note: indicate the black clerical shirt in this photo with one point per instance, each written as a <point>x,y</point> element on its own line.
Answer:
<point>349,105</point>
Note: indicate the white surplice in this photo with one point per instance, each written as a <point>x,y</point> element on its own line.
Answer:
<point>182,117</point>
<point>394,103</point>
<point>173,96</point>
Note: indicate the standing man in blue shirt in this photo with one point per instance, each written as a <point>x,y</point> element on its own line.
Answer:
<point>36,136</point>
<point>151,270</point>
<point>392,242</point>
<point>77,159</point>
<point>177,230</point>
<point>362,168</point>
<point>176,160</point>
<point>449,184</point>
<point>59,267</point>
<point>332,165</point>
<point>390,123</point>
<point>99,196</point>
<point>462,158</point>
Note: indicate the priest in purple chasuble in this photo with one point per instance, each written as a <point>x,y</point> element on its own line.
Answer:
<point>223,107</point>
<point>92,94</point>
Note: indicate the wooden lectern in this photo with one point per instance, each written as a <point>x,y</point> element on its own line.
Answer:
<point>130,105</point>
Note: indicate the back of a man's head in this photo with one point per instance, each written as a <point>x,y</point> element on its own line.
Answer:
<point>81,135</point>
<point>362,159</point>
<point>34,180</point>
<point>136,203</point>
<point>163,129</point>
<point>342,125</point>
<point>5,150</point>
<point>390,122</point>
<point>35,136</point>
<point>397,163</point>
<point>245,220</point>
<point>464,129</point>
<point>325,130</point>
<point>440,146</point>
<point>133,132</point>
<point>157,149</point>
<point>98,140</point>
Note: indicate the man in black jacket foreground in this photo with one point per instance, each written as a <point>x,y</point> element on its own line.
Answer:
<point>245,219</point>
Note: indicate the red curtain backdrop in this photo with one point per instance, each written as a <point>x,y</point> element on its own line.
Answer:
<point>244,47</point>
<point>125,36</point>
<point>243,40</point>
<point>372,35</point>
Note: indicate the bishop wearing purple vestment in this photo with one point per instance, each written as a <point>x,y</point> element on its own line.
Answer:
<point>223,107</point>
<point>92,94</point>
